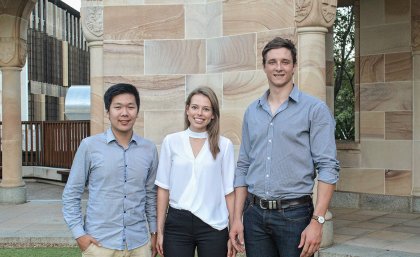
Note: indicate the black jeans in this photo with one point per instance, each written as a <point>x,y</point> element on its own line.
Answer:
<point>184,232</point>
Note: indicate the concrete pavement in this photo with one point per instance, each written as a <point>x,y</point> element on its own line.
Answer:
<point>361,233</point>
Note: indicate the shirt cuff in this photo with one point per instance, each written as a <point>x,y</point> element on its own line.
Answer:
<point>161,185</point>
<point>239,181</point>
<point>78,231</point>
<point>328,176</point>
<point>152,227</point>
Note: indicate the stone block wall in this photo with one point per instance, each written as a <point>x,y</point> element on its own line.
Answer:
<point>166,48</point>
<point>382,162</point>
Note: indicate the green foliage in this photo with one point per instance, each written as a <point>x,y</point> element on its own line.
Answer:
<point>344,113</point>
<point>40,252</point>
<point>344,70</point>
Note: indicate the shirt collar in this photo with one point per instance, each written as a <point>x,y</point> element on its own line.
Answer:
<point>110,137</point>
<point>294,95</point>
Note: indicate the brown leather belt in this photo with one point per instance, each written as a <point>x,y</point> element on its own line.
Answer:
<point>278,204</point>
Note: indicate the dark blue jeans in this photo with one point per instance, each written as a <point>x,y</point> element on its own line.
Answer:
<point>275,233</point>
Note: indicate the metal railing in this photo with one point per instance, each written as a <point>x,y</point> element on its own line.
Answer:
<point>50,143</point>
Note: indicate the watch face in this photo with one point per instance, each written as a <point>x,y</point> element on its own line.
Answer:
<point>321,219</point>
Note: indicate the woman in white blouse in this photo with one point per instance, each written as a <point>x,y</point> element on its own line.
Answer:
<point>195,176</point>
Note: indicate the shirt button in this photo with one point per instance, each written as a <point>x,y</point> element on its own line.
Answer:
<point>269,140</point>
<point>125,180</point>
<point>268,158</point>
<point>271,124</point>
<point>268,176</point>
<point>126,165</point>
<point>125,196</point>
<point>124,211</point>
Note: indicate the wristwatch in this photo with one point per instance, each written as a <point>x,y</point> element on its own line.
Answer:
<point>320,219</point>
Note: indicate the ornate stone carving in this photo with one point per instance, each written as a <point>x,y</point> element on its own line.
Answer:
<point>315,13</point>
<point>7,51</point>
<point>329,8</point>
<point>303,8</point>
<point>92,21</point>
<point>22,50</point>
<point>12,52</point>
<point>4,3</point>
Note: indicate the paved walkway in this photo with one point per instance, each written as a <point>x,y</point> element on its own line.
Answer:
<point>360,233</point>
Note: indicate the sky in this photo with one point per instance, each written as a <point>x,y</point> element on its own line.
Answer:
<point>73,3</point>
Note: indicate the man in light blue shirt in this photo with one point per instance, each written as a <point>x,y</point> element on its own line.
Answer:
<point>119,169</point>
<point>287,136</point>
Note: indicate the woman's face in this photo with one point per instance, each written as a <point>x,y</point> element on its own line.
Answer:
<point>199,113</point>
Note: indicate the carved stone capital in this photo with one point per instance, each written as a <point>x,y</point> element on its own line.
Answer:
<point>14,17</point>
<point>13,46</point>
<point>315,13</point>
<point>92,22</point>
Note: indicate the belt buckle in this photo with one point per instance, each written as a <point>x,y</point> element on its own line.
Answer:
<point>261,205</point>
<point>268,204</point>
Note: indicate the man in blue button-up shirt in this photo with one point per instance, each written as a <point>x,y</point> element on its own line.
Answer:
<point>119,169</point>
<point>287,136</point>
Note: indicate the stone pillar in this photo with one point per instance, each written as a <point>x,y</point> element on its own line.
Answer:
<point>329,68</point>
<point>92,25</point>
<point>416,128</point>
<point>415,45</point>
<point>313,18</point>
<point>14,16</point>
<point>61,108</point>
<point>12,184</point>
<point>39,107</point>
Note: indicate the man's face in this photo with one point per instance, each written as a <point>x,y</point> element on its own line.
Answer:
<point>279,67</point>
<point>122,113</point>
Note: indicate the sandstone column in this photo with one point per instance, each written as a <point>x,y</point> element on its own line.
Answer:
<point>415,45</point>
<point>416,127</point>
<point>313,17</point>
<point>14,16</point>
<point>92,25</point>
<point>39,104</point>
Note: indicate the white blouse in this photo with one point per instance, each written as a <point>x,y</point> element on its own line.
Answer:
<point>199,184</point>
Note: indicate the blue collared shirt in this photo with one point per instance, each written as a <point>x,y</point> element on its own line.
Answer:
<point>122,195</point>
<point>280,153</point>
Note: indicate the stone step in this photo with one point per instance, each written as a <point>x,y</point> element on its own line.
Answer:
<point>358,251</point>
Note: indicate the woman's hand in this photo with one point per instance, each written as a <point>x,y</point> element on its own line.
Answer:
<point>159,244</point>
<point>231,250</point>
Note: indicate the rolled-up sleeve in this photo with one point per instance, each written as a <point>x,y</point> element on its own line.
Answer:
<point>228,168</point>
<point>73,191</point>
<point>323,147</point>
<point>164,169</point>
<point>151,196</point>
<point>243,159</point>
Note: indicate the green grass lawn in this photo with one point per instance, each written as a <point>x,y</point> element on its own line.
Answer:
<point>40,252</point>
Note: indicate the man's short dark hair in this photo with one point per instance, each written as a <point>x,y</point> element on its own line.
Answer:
<point>119,89</point>
<point>279,42</point>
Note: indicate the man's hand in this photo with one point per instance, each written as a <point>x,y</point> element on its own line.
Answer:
<point>153,245</point>
<point>236,235</point>
<point>310,239</point>
<point>159,244</point>
<point>86,240</point>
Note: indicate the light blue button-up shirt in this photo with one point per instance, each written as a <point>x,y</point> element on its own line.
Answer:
<point>122,195</point>
<point>280,153</point>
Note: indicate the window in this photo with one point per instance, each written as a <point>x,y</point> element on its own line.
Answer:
<point>344,73</point>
